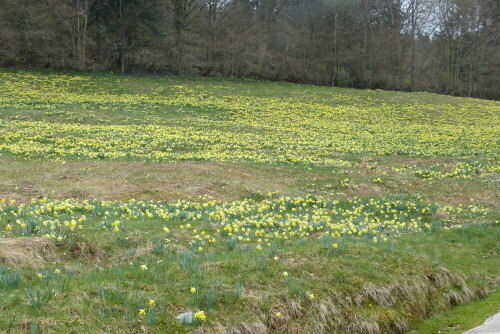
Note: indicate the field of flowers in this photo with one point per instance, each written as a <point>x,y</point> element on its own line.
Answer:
<point>308,129</point>
<point>387,214</point>
<point>233,222</point>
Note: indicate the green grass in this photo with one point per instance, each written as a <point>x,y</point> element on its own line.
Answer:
<point>461,318</point>
<point>252,179</point>
<point>100,295</point>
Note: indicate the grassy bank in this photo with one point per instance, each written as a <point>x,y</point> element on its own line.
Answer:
<point>462,317</point>
<point>261,207</point>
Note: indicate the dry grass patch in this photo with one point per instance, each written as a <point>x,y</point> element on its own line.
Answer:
<point>120,180</point>
<point>367,189</point>
<point>86,250</point>
<point>26,251</point>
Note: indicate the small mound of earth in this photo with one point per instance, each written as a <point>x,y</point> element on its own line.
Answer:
<point>365,189</point>
<point>26,251</point>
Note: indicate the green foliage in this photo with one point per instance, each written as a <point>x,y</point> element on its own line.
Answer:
<point>188,261</point>
<point>9,279</point>
<point>38,297</point>
<point>298,202</point>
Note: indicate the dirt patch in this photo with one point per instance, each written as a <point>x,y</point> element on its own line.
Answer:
<point>31,191</point>
<point>485,196</point>
<point>26,251</point>
<point>447,169</point>
<point>367,189</point>
<point>75,193</point>
<point>14,196</point>
<point>86,250</point>
<point>206,188</point>
<point>443,215</point>
<point>294,260</point>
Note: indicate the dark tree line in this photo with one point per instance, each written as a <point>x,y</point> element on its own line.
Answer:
<point>444,46</point>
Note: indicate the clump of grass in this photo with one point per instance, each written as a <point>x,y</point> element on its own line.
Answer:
<point>390,245</point>
<point>235,293</point>
<point>84,249</point>
<point>238,290</point>
<point>39,297</point>
<point>188,261</point>
<point>333,246</point>
<point>9,280</point>
<point>262,264</point>
<point>158,246</point>
<point>274,249</point>
<point>295,286</point>
<point>130,318</point>
<point>265,303</point>
<point>208,298</point>
<point>151,318</point>
<point>436,225</point>
<point>111,295</point>
<point>34,327</point>
<point>211,298</point>
<point>231,243</point>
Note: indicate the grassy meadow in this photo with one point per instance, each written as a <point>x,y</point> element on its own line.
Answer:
<point>261,207</point>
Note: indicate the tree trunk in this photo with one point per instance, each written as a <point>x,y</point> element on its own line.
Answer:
<point>84,34</point>
<point>122,51</point>
<point>334,42</point>
<point>413,60</point>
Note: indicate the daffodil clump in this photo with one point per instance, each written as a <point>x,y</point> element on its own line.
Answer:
<point>248,221</point>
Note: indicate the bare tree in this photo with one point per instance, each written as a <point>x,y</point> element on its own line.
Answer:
<point>446,46</point>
